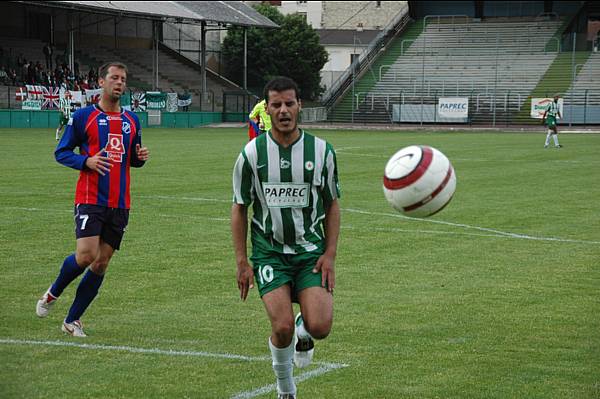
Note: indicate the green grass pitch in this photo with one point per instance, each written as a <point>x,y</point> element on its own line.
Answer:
<point>497,296</point>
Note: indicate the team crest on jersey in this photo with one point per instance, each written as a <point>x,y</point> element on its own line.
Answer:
<point>284,164</point>
<point>115,148</point>
<point>309,165</point>
<point>126,127</point>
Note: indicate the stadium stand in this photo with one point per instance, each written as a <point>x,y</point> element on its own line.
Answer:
<point>135,27</point>
<point>175,73</point>
<point>496,63</point>
<point>585,90</point>
<point>588,77</point>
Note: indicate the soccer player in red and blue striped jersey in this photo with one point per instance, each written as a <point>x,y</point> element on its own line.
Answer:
<point>109,142</point>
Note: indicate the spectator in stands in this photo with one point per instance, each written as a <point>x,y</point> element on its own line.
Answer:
<point>47,50</point>
<point>39,79</point>
<point>50,81</point>
<point>12,75</point>
<point>92,76</point>
<point>24,72</point>
<point>58,74</point>
<point>31,73</point>
<point>3,76</point>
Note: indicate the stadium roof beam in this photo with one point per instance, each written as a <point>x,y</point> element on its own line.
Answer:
<point>203,13</point>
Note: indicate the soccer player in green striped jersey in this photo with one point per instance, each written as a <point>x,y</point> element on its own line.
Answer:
<point>552,112</point>
<point>289,177</point>
<point>65,113</point>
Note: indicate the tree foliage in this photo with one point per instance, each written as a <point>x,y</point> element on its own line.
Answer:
<point>293,50</point>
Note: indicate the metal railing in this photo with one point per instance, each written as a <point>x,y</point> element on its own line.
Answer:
<point>504,108</point>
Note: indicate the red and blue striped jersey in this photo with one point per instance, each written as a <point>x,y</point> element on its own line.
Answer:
<point>91,129</point>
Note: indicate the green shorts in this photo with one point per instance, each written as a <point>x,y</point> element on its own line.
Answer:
<point>550,121</point>
<point>63,120</point>
<point>273,270</point>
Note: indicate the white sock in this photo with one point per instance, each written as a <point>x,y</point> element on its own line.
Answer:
<point>548,138</point>
<point>555,137</point>
<point>283,367</point>
<point>301,332</point>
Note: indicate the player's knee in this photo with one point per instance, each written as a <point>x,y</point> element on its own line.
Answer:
<point>318,329</point>
<point>99,266</point>
<point>84,258</point>
<point>283,330</point>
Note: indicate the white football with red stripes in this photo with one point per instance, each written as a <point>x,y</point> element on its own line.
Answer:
<point>419,181</point>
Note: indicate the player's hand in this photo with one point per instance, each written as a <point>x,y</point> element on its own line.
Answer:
<point>261,126</point>
<point>142,152</point>
<point>245,279</point>
<point>326,265</point>
<point>99,163</point>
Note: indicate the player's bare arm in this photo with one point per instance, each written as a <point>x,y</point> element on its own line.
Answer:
<point>99,163</point>
<point>326,263</point>
<point>239,231</point>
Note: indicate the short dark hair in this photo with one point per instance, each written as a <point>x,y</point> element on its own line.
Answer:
<point>103,70</point>
<point>279,84</point>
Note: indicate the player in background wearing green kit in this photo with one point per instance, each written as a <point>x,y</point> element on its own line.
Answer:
<point>65,112</point>
<point>289,177</point>
<point>552,112</point>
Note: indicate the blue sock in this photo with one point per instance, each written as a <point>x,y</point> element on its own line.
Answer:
<point>69,271</point>
<point>86,292</point>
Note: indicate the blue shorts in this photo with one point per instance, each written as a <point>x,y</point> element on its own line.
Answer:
<point>96,220</point>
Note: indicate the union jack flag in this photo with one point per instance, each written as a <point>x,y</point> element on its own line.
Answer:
<point>51,97</point>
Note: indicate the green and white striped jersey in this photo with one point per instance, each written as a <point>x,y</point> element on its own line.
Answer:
<point>552,109</point>
<point>289,189</point>
<point>65,107</point>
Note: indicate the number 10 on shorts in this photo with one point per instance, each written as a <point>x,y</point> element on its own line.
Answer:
<point>265,274</point>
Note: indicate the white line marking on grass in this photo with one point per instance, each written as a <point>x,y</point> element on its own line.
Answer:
<point>347,148</point>
<point>322,369</point>
<point>466,226</point>
<point>439,232</point>
<point>19,208</point>
<point>153,351</point>
<point>494,232</point>
<point>167,197</point>
<point>365,155</point>
<point>326,368</point>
